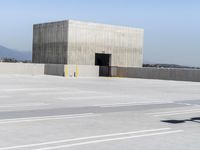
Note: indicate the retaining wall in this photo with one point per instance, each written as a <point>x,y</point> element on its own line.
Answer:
<point>49,69</point>
<point>54,69</point>
<point>22,68</point>
<point>157,73</point>
<point>81,71</point>
<point>93,71</point>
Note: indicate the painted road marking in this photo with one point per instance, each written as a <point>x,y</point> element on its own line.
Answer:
<point>176,111</point>
<point>63,92</point>
<point>132,103</point>
<point>88,138</point>
<point>22,105</point>
<point>27,89</point>
<point>181,113</point>
<point>46,118</point>
<point>92,97</point>
<point>5,96</point>
<point>171,113</point>
<point>187,104</point>
<point>109,140</point>
<point>37,89</point>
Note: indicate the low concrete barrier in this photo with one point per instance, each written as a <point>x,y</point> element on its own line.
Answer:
<point>21,68</point>
<point>54,69</point>
<point>93,71</point>
<point>49,69</point>
<point>81,71</point>
<point>157,73</point>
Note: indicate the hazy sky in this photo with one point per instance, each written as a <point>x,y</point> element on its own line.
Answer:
<point>172,27</point>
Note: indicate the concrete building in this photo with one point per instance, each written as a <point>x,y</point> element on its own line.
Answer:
<point>84,43</point>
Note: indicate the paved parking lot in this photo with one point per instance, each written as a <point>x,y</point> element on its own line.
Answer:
<point>47,113</point>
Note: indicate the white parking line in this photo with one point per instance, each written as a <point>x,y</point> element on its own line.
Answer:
<point>33,119</point>
<point>86,138</point>
<point>171,113</point>
<point>109,140</point>
<point>5,96</point>
<point>180,113</point>
<point>62,92</point>
<point>37,89</point>
<point>27,89</point>
<point>22,105</point>
<point>187,104</point>
<point>91,97</point>
<point>132,103</point>
<point>176,111</point>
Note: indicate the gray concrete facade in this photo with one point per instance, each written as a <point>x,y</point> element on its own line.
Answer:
<point>75,42</point>
<point>50,43</point>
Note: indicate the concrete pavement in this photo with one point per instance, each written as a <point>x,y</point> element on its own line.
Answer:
<point>47,113</point>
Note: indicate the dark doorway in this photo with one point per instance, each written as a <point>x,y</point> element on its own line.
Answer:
<point>103,61</point>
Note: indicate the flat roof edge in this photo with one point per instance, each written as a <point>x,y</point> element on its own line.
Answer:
<point>92,23</point>
<point>104,24</point>
<point>50,22</point>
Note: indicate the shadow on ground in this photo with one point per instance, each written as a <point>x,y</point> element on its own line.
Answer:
<point>195,119</point>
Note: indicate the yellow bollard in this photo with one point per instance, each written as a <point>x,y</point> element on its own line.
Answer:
<point>66,71</point>
<point>77,71</point>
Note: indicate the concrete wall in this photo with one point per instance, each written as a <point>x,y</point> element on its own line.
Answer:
<point>156,73</point>
<point>75,42</point>
<point>49,69</point>
<point>54,69</point>
<point>93,71</point>
<point>81,71</point>
<point>50,43</point>
<point>123,43</point>
<point>20,68</point>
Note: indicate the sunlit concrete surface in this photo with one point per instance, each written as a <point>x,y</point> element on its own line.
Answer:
<point>77,42</point>
<point>47,113</point>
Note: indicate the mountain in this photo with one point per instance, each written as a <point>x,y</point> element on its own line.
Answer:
<point>10,53</point>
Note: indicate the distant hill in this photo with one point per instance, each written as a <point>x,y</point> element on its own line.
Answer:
<point>10,53</point>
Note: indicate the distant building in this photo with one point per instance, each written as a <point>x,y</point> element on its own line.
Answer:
<point>84,43</point>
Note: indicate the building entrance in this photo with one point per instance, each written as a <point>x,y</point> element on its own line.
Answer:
<point>104,63</point>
